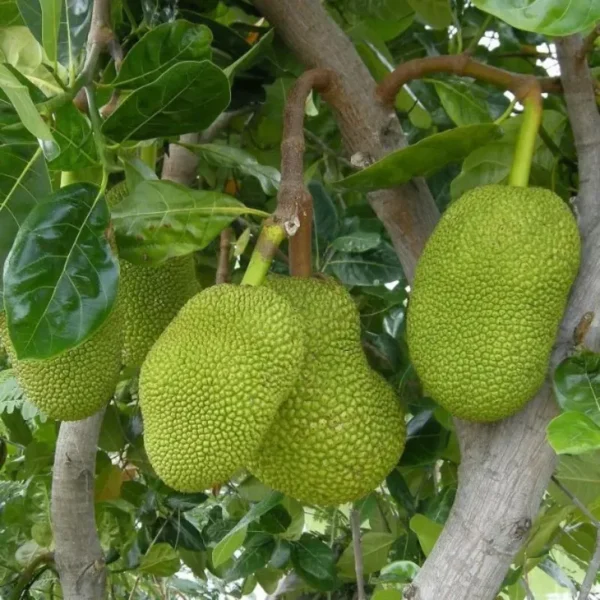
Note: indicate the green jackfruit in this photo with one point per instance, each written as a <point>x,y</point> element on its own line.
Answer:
<point>80,381</point>
<point>341,430</point>
<point>151,296</point>
<point>212,383</point>
<point>489,292</point>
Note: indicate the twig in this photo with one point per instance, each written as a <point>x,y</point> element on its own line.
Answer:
<point>458,64</point>
<point>589,42</point>
<point>223,275</point>
<point>29,573</point>
<point>358,557</point>
<point>594,565</point>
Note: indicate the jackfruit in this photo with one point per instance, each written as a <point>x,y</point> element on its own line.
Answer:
<point>488,296</point>
<point>213,381</point>
<point>151,296</point>
<point>78,382</point>
<point>341,430</point>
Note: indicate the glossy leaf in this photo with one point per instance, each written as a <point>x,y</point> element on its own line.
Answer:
<point>162,219</point>
<point>60,278</point>
<point>24,181</point>
<point>252,56</point>
<point>427,531</point>
<point>9,13</point>
<point>550,17</point>
<point>220,155</point>
<point>277,520</point>
<point>400,571</point>
<point>577,385</point>
<point>184,502</point>
<point>420,159</point>
<point>179,532</point>
<point>359,241</point>
<point>573,433</point>
<point>161,560</point>
<point>375,549</point>
<point>581,475</point>
<point>313,560</point>
<point>255,556</point>
<point>189,96</point>
<point>160,49</point>
<point>462,103</point>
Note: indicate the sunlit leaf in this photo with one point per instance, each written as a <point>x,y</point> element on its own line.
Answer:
<point>375,548</point>
<point>161,560</point>
<point>573,433</point>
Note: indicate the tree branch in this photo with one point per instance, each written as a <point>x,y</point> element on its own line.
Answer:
<point>223,275</point>
<point>589,43</point>
<point>29,574</point>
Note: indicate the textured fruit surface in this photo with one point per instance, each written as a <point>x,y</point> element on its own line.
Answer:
<point>341,430</point>
<point>151,296</point>
<point>488,296</point>
<point>212,383</point>
<point>77,383</point>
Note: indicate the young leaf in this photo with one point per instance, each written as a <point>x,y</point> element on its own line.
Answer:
<point>573,433</point>
<point>462,103</point>
<point>313,560</point>
<point>375,549</point>
<point>189,96</point>
<point>60,278</point>
<point>421,159</point>
<point>24,181</point>
<point>161,560</point>
<point>160,49</point>
<point>162,219</point>
<point>427,531</point>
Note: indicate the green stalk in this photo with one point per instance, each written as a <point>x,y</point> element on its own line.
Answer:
<point>506,113</point>
<point>525,147</point>
<point>148,155</point>
<point>271,236</point>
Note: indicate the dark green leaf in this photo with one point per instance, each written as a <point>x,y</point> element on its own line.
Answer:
<point>325,216</point>
<point>187,97</point>
<point>162,219</point>
<point>60,279</point>
<point>196,561</point>
<point>277,520</point>
<point>179,533</point>
<point>437,508</point>
<point>421,159</point>
<point>375,548</point>
<point>281,554</point>
<point>435,13</point>
<point>400,491</point>
<point>255,556</point>
<point>314,561</point>
<point>18,430</point>
<point>160,49</point>
<point>573,433</point>
<point>183,502</point>
<point>112,435</point>
<point>425,441</point>
<point>358,242</point>
<point>24,181</point>
<point>550,17</point>
<point>463,105</point>
<point>252,56</point>
<point>9,14</point>
<point>161,560</point>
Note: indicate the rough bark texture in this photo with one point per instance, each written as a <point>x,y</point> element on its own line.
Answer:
<point>181,164</point>
<point>505,466</point>
<point>78,555</point>
<point>408,212</point>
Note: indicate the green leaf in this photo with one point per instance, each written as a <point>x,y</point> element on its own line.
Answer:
<point>184,502</point>
<point>24,181</point>
<point>268,579</point>
<point>255,556</point>
<point>196,561</point>
<point>550,17</point>
<point>160,49</point>
<point>400,571</point>
<point>179,532</point>
<point>247,60</point>
<point>435,13</point>
<point>581,475</point>
<point>235,538</point>
<point>51,10</point>
<point>462,103</point>
<point>220,155</point>
<point>277,520</point>
<point>372,268</point>
<point>325,216</point>
<point>358,241</point>
<point>388,594</point>
<point>577,385</point>
<point>189,96</point>
<point>31,119</point>
<point>427,531</point>
<point>73,134</point>
<point>112,436</point>
<point>573,433</point>
<point>375,549</point>
<point>421,159</point>
<point>162,219</point>
<point>137,171</point>
<point>18,430</point>
<point>314,561</point>
<point>9,13</point>
<point>60,278</point>
<point>161,560</point>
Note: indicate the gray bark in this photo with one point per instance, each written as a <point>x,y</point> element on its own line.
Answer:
<point>505,466</point>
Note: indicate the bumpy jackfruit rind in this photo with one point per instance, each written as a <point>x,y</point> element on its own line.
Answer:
<point>77,383</point>
<point>489,292</point>
<point>152,296</point>
<point>212,383</point>
<point>342,429</point>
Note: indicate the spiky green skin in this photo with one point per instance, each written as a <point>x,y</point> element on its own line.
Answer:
<point>341,430</point>
<point>211,385</point>
<point>488,296</point>
<point>151,296</point>
<point>77,383</point>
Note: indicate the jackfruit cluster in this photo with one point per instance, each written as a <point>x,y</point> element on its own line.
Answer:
<point>78,382</point>
<point>151,296</point>
<point>212,383</point>
<point>341,429</point>
<point>488,296</point>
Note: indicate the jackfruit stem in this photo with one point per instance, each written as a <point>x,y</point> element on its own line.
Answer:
<point>525,147</point>
<point>148,155</point>
<point>271,236</point>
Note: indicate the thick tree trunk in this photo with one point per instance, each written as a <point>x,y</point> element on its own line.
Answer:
<point>505,466</point>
